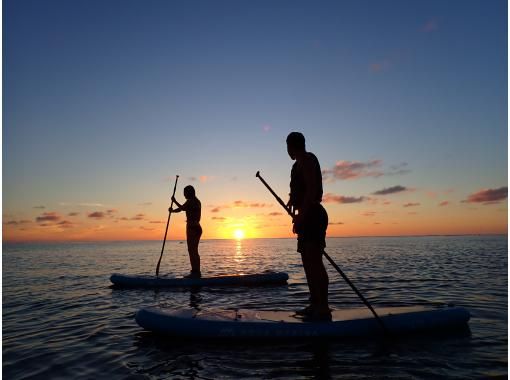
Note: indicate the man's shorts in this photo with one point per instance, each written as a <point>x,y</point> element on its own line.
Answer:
<point>313,229</point>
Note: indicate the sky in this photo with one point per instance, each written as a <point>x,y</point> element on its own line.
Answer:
<point>104,102</point>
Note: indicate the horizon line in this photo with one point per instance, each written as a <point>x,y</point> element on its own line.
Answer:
<point>253,238</point>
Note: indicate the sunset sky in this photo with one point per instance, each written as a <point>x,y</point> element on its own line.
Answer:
<point>104,102</point>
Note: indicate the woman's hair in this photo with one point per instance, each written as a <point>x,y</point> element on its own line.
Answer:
<point>189,191</point>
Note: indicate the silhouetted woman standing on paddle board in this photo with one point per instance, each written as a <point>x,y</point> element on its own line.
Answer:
<point>193,209</point>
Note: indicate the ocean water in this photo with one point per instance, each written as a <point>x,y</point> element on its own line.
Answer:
<point>62,320</point>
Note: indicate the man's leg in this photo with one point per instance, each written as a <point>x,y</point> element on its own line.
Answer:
<point>317,276</point>
<point>308,268</point>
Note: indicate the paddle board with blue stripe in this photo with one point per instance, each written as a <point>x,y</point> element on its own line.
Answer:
<point>346,323</point>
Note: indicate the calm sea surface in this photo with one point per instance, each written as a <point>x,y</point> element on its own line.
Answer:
<point>62,320</point>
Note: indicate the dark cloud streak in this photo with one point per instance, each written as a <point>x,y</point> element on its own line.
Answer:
<point>390,190</point>
<point>48,217</point>
<point>488,196</point>
<point>332,198</point>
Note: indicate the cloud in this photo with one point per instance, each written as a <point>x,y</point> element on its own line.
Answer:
<point>218,218</point>
<point>48,217</point>
<point>411,204</point>
<point>39,207</point>
<point>145,203</point>
<point>65,224</point>
<point>444,203</point>
<point>138,217</point>
<point>390,190</point>
<point>250,205</point>
<point>91,205</point>
<point>202,178</point>
<point>259,205</point>
<point>275,213</point>
<point>336,223</point>
<point>146,229</point>
<point>430,26</point>
<point>96,215</point>
<point>67,204</point>
<point>266,128</point>
<point>73,214</point>
<point>488,196</point>
<point>332,198</point>
<point>348,170</point>
<point>368,213</point>
<point>17,222</point>
<point>354,169</point>
<point>156,221</point>
<point>239,204</point>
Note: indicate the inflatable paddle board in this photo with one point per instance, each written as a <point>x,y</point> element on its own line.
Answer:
<point>147,281</point>
<point>346,323</point>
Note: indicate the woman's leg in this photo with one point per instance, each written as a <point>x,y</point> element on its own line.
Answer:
<point>193,239</point>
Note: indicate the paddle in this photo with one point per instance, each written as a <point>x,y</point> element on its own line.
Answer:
<point>327,257</point>
<point>167,223</point>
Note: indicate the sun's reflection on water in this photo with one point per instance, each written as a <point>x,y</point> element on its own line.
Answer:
<point>239,256</point>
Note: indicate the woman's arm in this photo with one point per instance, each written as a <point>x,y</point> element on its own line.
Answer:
<point>177,203</point>
<point>179,206</point>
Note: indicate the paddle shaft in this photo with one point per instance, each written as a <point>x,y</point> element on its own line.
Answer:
<point>166,230</point>
<point>328,258</point>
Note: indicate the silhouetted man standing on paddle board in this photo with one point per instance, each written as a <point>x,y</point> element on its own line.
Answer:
<point>193,209</point>
<point>310,224</point>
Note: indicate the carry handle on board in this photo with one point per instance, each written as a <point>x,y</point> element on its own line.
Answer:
<point>327,257</point>
<point>167,223</point>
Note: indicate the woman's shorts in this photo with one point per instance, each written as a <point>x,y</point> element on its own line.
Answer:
<point>193,230</point>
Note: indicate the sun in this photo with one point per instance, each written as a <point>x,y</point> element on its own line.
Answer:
<point>239,234</point>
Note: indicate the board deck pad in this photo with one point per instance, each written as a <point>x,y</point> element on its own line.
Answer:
<point>353,322</point>
<point>247,315</point>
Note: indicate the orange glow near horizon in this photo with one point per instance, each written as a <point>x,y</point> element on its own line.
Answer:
<point>239,224</point>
